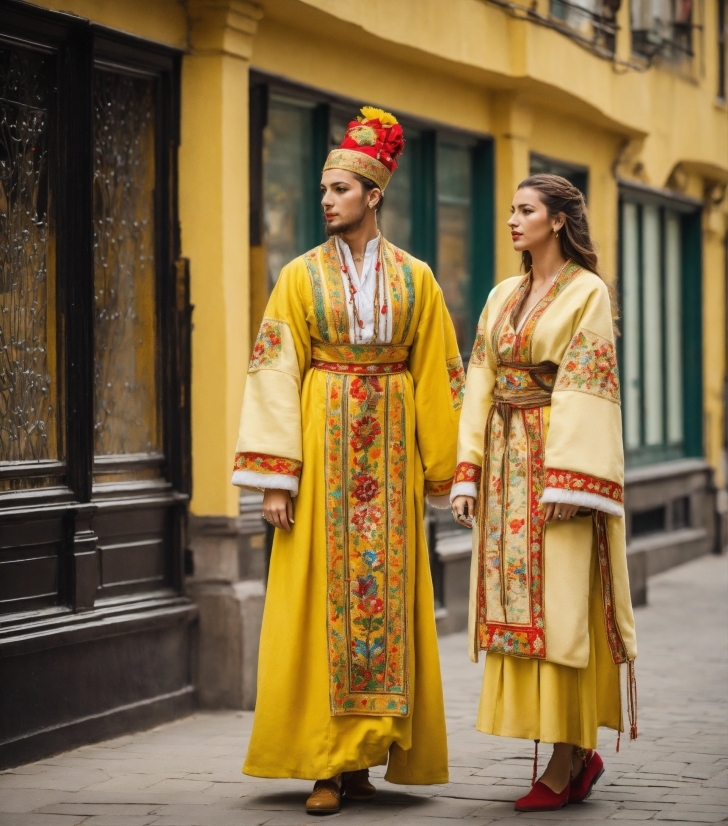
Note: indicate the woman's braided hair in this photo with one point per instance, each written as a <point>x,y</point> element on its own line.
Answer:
<point>558,195</point>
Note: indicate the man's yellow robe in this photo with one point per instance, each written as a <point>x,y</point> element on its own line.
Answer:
<point>349,671</point>
<point>541,423</point>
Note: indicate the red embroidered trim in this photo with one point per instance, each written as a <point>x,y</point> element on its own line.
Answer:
<point>360,369</point>
<point>262,463</point>
<point>467,472</point>
<point>570,480</point>
<point>438,488</point>
<point>614,638</point>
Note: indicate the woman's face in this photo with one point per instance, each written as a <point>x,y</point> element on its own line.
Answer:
<point>530,224</point>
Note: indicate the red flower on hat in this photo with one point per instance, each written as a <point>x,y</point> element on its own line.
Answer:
<point>377,134</point>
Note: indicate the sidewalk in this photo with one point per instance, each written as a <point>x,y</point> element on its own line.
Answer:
<point>187,773</point>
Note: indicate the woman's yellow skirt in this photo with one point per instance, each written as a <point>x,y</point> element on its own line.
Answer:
<point>536,700</point>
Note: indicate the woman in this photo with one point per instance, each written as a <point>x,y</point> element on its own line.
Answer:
<point>540,464</point>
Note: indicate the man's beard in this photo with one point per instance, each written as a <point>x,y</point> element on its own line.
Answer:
<point>343,227</point>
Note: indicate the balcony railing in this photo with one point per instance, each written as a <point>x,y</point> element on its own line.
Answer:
<point>594,20</point>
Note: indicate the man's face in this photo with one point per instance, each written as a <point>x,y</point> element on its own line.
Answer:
<point>344,200</point>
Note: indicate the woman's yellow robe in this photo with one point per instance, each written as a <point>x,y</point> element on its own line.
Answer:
<point>527,437</point>
<point>349,671</point>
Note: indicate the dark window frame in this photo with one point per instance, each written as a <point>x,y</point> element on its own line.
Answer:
<point>65,504</point>
<point>690,212</point>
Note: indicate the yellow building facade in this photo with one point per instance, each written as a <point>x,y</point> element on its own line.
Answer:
<point>628,99</point>
<point>528,79</point>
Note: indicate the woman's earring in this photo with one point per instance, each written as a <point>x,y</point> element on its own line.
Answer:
<point>371,206</point>
<point>556,232</point>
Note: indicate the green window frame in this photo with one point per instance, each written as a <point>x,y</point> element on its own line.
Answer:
<point>660,349</point>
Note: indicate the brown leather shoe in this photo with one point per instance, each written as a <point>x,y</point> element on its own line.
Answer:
<point>325,798</point>
<point>356,785</point>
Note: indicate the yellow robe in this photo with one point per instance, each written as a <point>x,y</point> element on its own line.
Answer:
<point>534,586</point>
<point>349,669</point>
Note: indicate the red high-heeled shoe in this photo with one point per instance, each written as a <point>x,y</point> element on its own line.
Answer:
<point>581,786</point>
<point>542,799</point>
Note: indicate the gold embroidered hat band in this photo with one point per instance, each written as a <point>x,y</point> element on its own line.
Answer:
<point>370,148</point>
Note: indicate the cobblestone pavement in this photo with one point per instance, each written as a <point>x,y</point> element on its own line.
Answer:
<point>187,773</point>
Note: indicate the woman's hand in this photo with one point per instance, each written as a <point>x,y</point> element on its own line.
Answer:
<point>559,511</point>
<point>462,505</point>
<point>278,508</point>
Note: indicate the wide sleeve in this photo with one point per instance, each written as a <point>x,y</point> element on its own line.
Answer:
<point>439,381</point>
<point>476,407</point>
<point>269,452</point>
<point>584,459</point>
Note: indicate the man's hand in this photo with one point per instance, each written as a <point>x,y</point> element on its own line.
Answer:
<point>278,508</point>
<point>559,511</point>
<point>459,504</point>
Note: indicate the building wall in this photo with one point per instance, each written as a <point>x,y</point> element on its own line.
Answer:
<point>466,63</point>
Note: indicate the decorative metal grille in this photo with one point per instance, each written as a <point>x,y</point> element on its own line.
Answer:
<point>28,386</point>
<point>125,413</point>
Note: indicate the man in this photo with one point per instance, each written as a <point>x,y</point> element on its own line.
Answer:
<point>351,411</point>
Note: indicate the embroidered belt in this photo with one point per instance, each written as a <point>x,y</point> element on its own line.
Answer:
<point>359,353</point>
<point>535,393</point>
<point>360,369</point>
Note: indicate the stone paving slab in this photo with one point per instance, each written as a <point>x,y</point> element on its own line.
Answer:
<point>187,773</point>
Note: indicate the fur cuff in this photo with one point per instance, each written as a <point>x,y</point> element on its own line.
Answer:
<point>440,502</point>
<point>464,489</point>
<point>265,481</point>
<point>583,499</point>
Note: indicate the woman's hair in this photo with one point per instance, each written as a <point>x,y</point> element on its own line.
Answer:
<point>368,185</point>
<point>558,195</point>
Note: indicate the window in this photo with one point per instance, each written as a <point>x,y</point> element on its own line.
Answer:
<point>594,20</point>
<point>454,233</point>
<point>576,175</point>
<point>663,27</point>
<point>292,226</point>
<point>660,344</point>
<point>438,205</point>
<point>94,332</point>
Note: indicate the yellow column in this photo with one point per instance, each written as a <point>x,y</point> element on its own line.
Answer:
<point>513,124</point>
<point>214,218</point>
<point>715,228</point>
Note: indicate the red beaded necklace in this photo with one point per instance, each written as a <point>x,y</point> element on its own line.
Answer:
<point>358,322</point>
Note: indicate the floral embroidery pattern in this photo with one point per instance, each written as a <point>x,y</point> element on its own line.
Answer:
<point>510,557</point>
<point>590,365</point>
<point>479,355</point>
<point>438,488</point>
<point>360,353</point>
<point>467,472</point>
<point>515,378</point>
<point>522,344</point>
<point>268,346</point>
<point>614,638</point>
<point>570,480</point>
<point>456,375</point>
<point>366,468</point>
<point>262,463</point>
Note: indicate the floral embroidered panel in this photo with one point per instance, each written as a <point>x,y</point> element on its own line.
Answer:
<point>268,346</point>
<point>366,536</point>
<point>590,366</point>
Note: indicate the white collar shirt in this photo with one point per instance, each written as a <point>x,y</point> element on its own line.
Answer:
<point>365,286</point>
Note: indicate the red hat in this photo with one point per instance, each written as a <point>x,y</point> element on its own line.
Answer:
<point>371,146</point>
